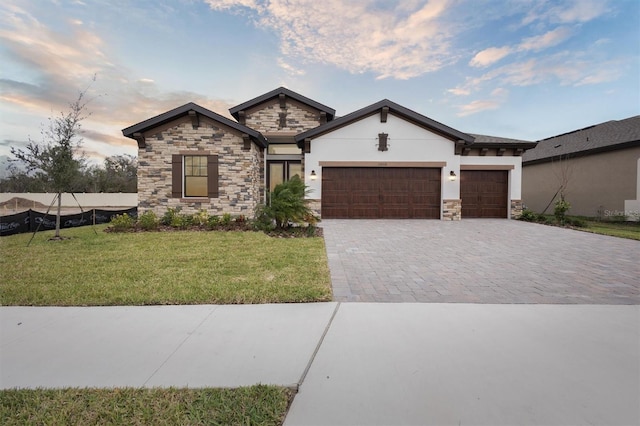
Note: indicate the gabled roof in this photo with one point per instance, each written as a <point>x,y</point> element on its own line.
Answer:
<point>611,135</point>
<point>385,106</point>
<point>184,110</point>
<point>275,94</point>
<point>485,141</point>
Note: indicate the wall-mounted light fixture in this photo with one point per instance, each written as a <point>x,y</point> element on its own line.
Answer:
<point>452,176</point>
<point>313,175</point>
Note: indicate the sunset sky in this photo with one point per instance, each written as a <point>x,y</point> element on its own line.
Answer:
<point>525,69</point>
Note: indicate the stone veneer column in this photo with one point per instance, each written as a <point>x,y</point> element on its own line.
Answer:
<point>315,205</point>
<point>451,209</point>
<point>516,209</point>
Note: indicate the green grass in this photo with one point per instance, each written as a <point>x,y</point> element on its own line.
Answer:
<point>255,405</point>
<point>149,268</point>
<point>629,230</point>
<point>613,228</point>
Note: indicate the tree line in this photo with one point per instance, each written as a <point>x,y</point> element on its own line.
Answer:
<point>117,173</point>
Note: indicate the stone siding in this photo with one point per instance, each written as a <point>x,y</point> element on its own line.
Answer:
<point>240,173</point>
<point>265,118</point>
<point>315,205</point>
<point>451,209</point>
<point>516,209</point>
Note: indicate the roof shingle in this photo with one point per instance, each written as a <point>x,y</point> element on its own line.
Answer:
<point>610,135</point>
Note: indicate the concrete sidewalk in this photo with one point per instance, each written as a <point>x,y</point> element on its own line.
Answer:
<point>194,346</point>
<point>377,363</point>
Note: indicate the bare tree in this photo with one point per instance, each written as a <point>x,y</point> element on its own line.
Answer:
<point>563,172</point>
<point>57,158</point>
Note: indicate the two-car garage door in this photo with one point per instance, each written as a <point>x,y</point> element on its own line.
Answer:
<point>381,192</point>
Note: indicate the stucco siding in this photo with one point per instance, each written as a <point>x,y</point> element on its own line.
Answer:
<point>597,183</point>
<point>358,142</point>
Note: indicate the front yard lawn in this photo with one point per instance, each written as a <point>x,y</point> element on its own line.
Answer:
<point>255,405</point>
<point>151,268</point>
<point>629,230</point>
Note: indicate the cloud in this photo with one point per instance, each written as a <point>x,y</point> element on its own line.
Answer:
<point>497,98</point>
<point>390,40</point>
<point>566,68</point>
<point>62,62</point>
<point>459,91</point>
<point>489,56</point>
<point>566,11</point>
<point>579,11</point>
<point>291,70</point>
<point>546,40</point>
<point>477,106</point>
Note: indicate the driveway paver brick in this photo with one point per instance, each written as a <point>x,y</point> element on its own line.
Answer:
<point>478,261</point>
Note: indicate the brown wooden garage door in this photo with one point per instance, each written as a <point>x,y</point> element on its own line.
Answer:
<point>484,193</point>
<point>380,192</point>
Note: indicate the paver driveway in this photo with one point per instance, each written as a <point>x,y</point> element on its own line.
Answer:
<point>478,261</point>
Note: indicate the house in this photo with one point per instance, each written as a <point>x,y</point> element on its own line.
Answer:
<point>598,168</point>
<point>382,161</point>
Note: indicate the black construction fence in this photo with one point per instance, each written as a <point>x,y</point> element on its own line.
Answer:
<point>31,220</point>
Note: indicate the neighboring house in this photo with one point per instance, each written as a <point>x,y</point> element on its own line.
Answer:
<point>382,161</point>
<point>598,168</point>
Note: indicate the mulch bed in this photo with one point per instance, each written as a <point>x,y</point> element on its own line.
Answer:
<point>291,232</point>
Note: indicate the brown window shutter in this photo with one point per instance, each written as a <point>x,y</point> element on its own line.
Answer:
<point>212,175</point>
<point>176,176</point>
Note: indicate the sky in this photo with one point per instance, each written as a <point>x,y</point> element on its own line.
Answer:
<point>523,69</point>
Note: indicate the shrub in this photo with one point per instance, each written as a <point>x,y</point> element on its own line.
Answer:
<point>148,220</point>
<point>170,215</point>
<point>201,218</point>
<point>181,221</point>
<point>226,219</point>
<point>528,216</point>
<point>560,210</point>
<point>288,206</point>
<point>213,221</point>
<point>122,222</point>
<point>576,221</point>
<point>262,219</point>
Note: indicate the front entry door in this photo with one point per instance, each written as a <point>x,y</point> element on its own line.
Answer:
<point>282,170</point>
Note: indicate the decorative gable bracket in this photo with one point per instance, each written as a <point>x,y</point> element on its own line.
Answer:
<point>139,137</point>
<point>195,121</point>
<point>383,114</point>
<point>242,117</point>
<point>307,146</point>
<point>459,147</point>
<point>283,100</point>
<point>246,142</point>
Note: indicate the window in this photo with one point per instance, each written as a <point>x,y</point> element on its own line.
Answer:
<point>194,176</point>
<point>283,148</point>
<point>281,171</point>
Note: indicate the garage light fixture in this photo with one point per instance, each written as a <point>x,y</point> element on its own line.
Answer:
<point>313,175</point>
<point>452,176</point>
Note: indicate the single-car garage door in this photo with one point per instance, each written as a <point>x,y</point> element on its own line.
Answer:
<point>484,193</point>
<point>380,192</point>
